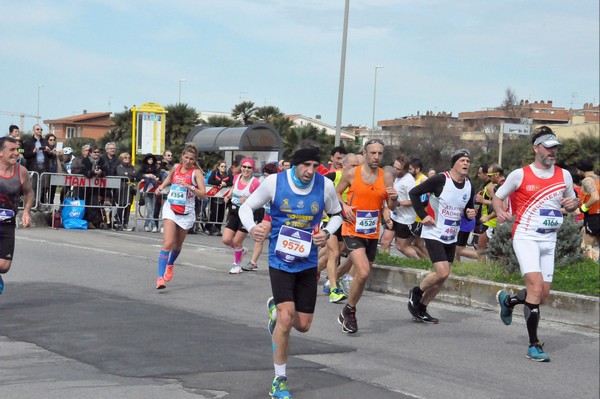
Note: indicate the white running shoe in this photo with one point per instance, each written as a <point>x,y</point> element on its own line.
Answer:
<point>235,269</point>
<point>154,229</point>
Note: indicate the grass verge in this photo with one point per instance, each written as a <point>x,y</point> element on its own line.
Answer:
<point>580,278</point>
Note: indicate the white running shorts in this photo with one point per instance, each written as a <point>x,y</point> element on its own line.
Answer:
<point>536,256</point>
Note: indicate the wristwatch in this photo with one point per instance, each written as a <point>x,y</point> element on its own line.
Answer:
<point>327,234</point>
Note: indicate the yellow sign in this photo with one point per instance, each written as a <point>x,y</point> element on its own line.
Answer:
<point>148,129</point>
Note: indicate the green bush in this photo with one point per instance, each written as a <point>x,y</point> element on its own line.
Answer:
<point>568,249</point>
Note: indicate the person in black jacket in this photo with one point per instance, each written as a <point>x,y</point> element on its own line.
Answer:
<point>93,167</point>
<point>219,178</point>
<point>149,172</point>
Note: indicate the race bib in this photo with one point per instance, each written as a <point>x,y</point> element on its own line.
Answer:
<point>451,228</point>
<point>6,214</point>
<point>293,244</point>
<point>550,220</point>
<point>177,195</point>
<point>366,222</point>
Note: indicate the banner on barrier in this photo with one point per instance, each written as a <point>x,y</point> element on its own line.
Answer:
<point>81,181</point>
<point>214,191</point>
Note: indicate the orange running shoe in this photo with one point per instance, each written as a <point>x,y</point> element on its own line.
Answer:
<point>168,273</point>
<point>160,283</point>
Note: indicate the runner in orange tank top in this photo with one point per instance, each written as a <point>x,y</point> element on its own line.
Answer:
<point>368,191</point>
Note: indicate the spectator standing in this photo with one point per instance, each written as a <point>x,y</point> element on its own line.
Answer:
<point>14,181</point>
<point>93,167</point>
<point>218,178</point>
<point>35,152</point>
<point>76,163</point>
<point>126,169</point>
<point>167,160</point>
<point>292,271</point>
<point>54,166</point>
<point>538,192</point>
<point>187,183</point>
<point>15,133</point>
<point>149,173</point>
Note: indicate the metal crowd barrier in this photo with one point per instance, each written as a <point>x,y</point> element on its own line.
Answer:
<point>211,213</point>
<point>104,198</point>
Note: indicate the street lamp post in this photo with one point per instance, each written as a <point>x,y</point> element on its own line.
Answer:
<point>338,123</point>
<point>38,104</point>
<point>180,81</point>
<point>374,98</point>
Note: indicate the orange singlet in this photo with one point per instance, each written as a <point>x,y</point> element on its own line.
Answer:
<point>367,200</point>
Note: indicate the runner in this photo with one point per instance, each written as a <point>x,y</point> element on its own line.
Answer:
<point>540,190</point>
<point>298,197</point>
<point>366,196</point>
<point>234,233</point>
<point>449,194</point>
<point>179,214</point>
<point>14,181</point>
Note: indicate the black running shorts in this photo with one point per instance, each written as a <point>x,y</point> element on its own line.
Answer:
<point>300,288</point>
<point>440,252</point>
<point>369,244</point>
<point>7,241</point>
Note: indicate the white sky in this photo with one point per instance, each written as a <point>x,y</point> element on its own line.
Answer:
<point>451,56</point>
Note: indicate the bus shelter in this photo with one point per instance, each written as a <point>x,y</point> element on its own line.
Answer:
<point>260,141</point>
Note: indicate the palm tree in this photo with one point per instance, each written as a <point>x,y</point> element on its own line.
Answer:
<point>299,133</point>
<point>282,125</point>
<point>267,113</point>
<point>222,121</point>
<point>244,111</point>
<point>181,119</point>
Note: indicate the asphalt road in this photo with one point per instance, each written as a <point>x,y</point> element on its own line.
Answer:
<point>80,318</point>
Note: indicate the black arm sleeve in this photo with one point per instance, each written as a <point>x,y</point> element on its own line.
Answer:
<point>434,185</point>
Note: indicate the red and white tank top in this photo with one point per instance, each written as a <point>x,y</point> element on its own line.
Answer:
<point>537,205</point>
<point>181,199</point>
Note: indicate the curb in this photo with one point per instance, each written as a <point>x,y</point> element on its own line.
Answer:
<point>572,309</point>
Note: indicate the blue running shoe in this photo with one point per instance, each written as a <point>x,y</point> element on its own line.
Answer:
<point>536,353</point>
<point>327,288</point>
<point>279,389</point>
<point>505,311</point>
<point>1,284</point>
<point>272,315</point>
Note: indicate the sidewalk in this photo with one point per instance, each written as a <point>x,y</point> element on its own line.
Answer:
<point>573,309</point>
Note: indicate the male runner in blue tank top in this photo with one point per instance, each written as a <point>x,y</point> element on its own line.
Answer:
<point>298,197</point>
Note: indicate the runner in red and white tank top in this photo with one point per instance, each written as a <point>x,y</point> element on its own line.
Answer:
<point>538,192</point>
<point>178,213</point>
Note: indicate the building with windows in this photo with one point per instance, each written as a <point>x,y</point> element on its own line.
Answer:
<point>93,125</point>
<point>301,120</point>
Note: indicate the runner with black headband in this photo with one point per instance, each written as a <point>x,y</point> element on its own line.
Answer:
<point>450,195</point>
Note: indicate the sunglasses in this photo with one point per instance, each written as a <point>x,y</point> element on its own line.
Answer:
<point>51,139</point>
<point>96,152</point>
<point>246,167</point>
<point>492,174</point>
<point>373,141</point>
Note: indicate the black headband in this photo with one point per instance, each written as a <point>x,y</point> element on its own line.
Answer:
<point>306,154</point>
<point>459,154</point>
